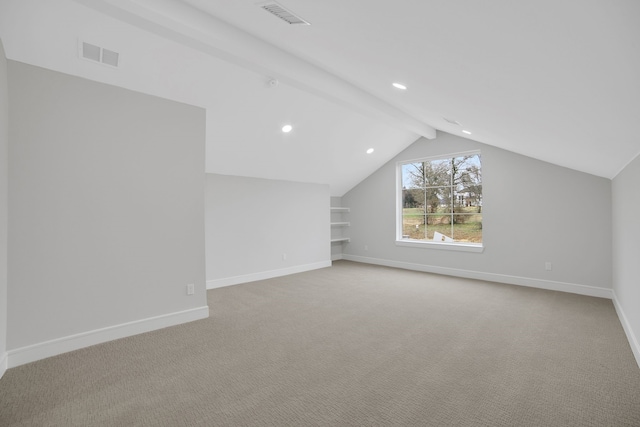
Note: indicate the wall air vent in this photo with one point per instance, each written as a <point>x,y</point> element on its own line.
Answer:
<point>95,53</point>
<point>283,13</point>
<point>110,57</point>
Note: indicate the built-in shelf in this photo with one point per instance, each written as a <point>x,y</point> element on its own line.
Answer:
<point>338,221</point>
<point>341,239</point>
<point>339,225</point>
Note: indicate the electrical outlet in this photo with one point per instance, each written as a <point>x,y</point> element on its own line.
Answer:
<point>191,289</point>
<point>366,247</point>
<point>284,257</point>
<point>547,266</point>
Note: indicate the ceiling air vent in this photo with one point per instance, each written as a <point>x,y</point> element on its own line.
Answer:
<point>95,53</point>
<point>282,13</point>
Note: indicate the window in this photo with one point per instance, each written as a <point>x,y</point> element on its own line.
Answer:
<point>440,201</point>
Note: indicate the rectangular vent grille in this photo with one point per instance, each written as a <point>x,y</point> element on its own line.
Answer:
<point>110,57</point>
<point>95,53</point>
<point>91,52</point>
<point>282,13</point>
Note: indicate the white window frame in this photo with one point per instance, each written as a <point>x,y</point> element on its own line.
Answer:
<point>427,244</point>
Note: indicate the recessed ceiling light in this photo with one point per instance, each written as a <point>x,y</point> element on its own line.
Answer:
<point>287,128</point>
<point>370,150</point>
<point>467,132</point>
<point>399,86</point>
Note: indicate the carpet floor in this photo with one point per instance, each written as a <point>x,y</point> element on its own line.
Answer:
<point>350,345</point>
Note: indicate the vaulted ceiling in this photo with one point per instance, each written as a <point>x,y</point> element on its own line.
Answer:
<point>556,80</point>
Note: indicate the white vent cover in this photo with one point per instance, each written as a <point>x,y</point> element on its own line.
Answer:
<point>95,53</point>
<point>283,13</point>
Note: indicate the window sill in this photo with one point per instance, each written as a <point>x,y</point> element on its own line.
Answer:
<point>460,247</point>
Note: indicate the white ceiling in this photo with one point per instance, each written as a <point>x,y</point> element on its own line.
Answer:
<point>552,79</point>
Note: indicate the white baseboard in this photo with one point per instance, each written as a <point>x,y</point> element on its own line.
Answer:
<point>631,337</point>
<point>228,281</point>
<point>337,257</point>
<point>491,277</point>
<point>3,364</point>
<point>42,350</point>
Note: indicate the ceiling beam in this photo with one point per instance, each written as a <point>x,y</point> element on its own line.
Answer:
<point>191,27</point>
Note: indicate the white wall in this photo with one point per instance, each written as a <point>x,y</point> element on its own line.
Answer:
<point>106,213</point>
<point>4,175</point>
<point>533,212</point>
<point>251,223</point>
<point>626,251</point>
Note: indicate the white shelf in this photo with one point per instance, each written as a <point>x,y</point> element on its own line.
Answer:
<point>341,239</point>
<point>337,222</point>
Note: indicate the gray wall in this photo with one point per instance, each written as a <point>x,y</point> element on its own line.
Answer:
<point>251,223</point>
<point>626,249</point>
<point>4,175</point>
<point>533,212</point>
<point>106,206</point>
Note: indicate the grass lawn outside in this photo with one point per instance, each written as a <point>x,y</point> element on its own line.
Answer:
<point>468,229</point>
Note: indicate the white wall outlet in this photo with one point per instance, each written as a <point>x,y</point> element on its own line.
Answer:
<point>366,247</point>
<point>191,289</point>
<point>284,257</point>
<point>547,266</point>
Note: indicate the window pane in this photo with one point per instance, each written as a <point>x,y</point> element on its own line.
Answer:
<point>468,195</point>
<point>413,220</point>
<point>446,201</point>
<point>467,181</point>
<point>437,173</point>
<point>467,168</point>
<point>412,175</point>
<point>434,200</point>
<point>413,198</point>
<point>467,228</point>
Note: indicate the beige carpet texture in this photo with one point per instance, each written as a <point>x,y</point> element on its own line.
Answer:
<point>350,345</point>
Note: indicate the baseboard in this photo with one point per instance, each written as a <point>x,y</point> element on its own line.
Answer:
<point>491,277</point>
<point>631,337</point>
<point>39,351</point>
<point>3,364</point>
<point>337,257</point>
<point>228,281</point>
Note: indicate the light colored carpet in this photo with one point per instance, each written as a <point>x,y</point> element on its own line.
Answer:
<point>350,345</point>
